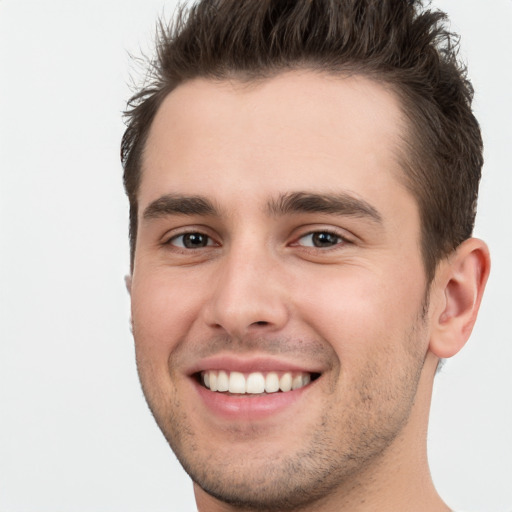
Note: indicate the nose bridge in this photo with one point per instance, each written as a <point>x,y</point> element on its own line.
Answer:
<point>248,292</point>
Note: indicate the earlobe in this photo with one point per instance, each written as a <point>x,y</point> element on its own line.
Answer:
<point>128,283</point>
<point>461,281</point>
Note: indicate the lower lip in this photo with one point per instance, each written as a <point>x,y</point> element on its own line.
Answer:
<point>249,407</point>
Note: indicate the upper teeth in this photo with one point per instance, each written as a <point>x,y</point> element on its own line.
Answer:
<point>253,383</point>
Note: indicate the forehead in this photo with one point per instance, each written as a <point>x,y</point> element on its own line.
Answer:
<point>311,130</point>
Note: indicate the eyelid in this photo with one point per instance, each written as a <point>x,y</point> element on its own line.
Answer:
<point>180,232</point>
<point>338,233</point>
<point>182,246</point>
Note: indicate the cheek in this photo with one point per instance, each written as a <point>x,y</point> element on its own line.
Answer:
<point>163,310</point>
<point>358,309</point>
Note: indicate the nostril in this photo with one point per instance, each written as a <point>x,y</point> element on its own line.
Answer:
<point>261,322</point>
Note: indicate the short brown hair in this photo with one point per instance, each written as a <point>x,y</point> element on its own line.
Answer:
<point>396,42</point>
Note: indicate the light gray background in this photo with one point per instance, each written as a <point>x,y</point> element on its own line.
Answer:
<point>75,433</point>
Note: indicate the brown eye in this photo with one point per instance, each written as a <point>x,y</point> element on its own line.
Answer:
<point>320,239</point>
<point>191,241</point>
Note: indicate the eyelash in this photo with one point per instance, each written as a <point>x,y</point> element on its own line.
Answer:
<point>340,240</point>
<point>191,233</point>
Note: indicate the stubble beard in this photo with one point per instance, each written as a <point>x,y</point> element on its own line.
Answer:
<point>344,442</point>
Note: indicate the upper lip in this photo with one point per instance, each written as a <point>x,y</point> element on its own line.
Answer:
<point>229,362</point>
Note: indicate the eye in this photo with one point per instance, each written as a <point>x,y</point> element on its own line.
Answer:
<point>320,239</point>
<point>191,241</point>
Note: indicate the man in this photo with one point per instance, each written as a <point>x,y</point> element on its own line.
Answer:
<point>302,180</point>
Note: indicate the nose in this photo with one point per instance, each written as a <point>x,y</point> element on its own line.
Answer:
<point>249,295</point>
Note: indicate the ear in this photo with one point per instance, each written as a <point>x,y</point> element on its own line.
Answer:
<point>128,283</point>
<point>459,285</point>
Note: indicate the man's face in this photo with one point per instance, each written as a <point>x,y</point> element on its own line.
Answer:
<point>276,245</point>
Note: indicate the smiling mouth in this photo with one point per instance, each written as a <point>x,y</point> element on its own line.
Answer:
<point>255,383</point>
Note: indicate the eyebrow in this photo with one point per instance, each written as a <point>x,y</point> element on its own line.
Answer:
<point>286,204</point>
<point>172,204</point>
<point>337,204</point>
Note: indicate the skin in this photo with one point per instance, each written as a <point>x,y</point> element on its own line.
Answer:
<point>354,309</point>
